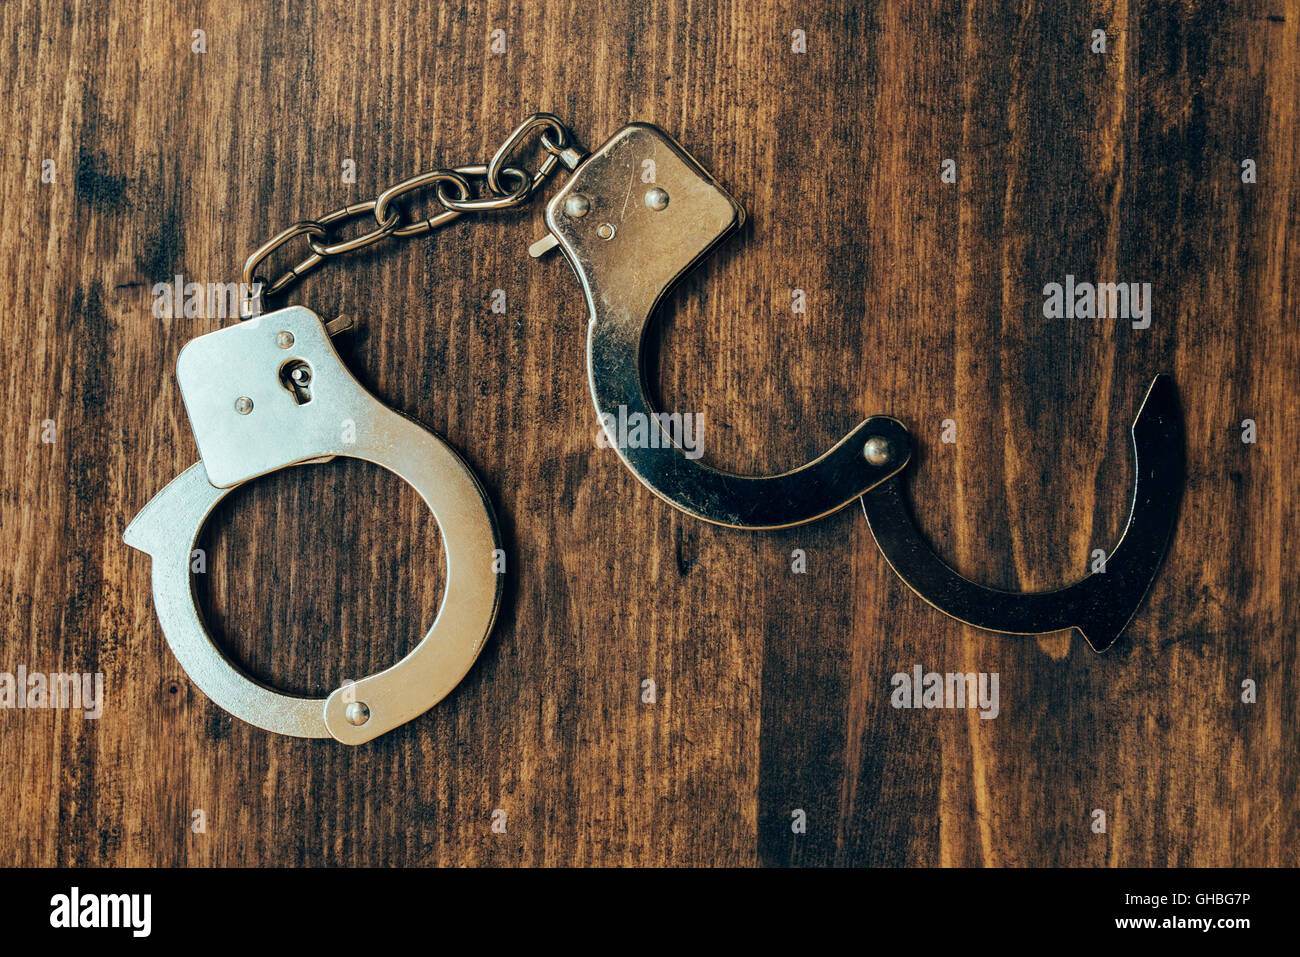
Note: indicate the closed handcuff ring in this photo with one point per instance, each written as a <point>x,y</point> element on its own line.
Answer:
<point>629,242</point>
<point>272,392</point>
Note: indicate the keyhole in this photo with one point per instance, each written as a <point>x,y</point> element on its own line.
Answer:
<point>295,375</point>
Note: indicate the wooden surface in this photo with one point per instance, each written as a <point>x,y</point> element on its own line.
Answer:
<point>924,302</point>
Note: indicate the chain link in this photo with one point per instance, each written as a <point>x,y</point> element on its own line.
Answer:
<point>507,187</point>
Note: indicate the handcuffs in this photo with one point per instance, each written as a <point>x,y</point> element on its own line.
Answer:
<point>272,392</point>
<point>629,243</point>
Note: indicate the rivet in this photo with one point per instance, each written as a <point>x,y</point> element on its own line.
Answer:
<point>577,206</point>
<point>656,198</point>
<point>357,713</point>
<point>284,339</point>
<point>243,405</point>
<point>877,450</point>
<point>606,231</point>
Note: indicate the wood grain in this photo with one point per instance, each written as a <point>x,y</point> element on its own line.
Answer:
<point>924,302</point>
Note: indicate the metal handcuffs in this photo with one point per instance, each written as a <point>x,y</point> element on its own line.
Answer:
<point>272,392</point>
<point>629,243</point>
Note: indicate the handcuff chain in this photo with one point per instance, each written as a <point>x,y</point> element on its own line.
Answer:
<point>507,187</point>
